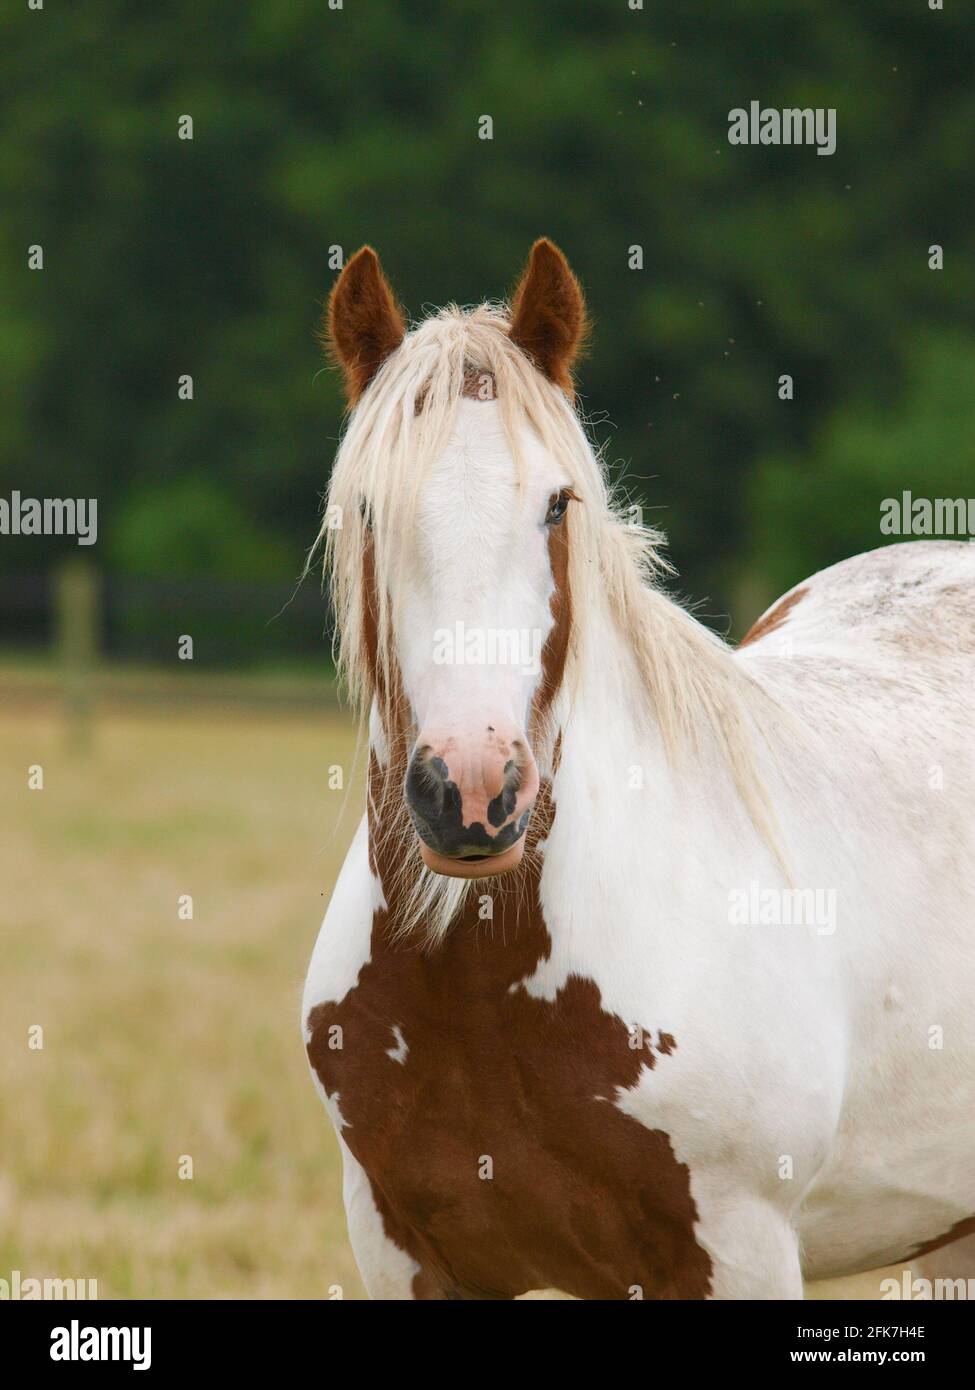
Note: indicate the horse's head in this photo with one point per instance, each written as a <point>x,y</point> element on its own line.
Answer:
<point>449,523</point>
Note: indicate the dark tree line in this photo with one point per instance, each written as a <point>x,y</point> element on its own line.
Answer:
<point>315,127</point>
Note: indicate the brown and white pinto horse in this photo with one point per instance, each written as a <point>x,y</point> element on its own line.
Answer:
<point>649,972</point>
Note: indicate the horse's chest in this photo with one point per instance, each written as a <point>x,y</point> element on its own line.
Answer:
<point>486,1121</point>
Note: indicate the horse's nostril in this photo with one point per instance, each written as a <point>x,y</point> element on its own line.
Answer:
<point>504,803</point>
<point>425,785</point>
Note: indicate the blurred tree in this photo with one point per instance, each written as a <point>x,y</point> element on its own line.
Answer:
<point>194,528</point>
<point>806,513</point>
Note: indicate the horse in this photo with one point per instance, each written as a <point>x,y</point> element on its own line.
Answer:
<point>648,973</point>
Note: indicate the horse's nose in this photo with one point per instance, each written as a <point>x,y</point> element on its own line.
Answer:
<point>470,799</point>
<point>430,794</point>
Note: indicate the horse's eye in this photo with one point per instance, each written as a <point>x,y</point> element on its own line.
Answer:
<point>557,505</point>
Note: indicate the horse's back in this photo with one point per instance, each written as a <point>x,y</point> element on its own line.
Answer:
<point>911,603</point>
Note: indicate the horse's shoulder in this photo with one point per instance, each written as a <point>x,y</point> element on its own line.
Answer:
<point>343,945</point>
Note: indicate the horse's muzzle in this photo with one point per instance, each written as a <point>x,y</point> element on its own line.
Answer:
<point>470,807</point>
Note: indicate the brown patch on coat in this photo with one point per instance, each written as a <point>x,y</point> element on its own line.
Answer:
<point>774,618</point>
<point>962,1228</point>
<point>423,1287</point>
<point>370,616</point>
<point>556,650</point>
<point>478,385</point>
<point>583,1197</point>
<point>548,315</point>
<point>364,323</point>
<point>385,681</point>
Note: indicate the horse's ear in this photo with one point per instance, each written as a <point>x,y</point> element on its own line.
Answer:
<point>364,323</point>
<point>548,315</point>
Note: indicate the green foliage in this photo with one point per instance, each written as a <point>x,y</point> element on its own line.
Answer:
<point>813,511</point>
<point>317,127</point>
<point>193,528</point>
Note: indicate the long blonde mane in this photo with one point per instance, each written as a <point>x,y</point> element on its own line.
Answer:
<point>693,688</point>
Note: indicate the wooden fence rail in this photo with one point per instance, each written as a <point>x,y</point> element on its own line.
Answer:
<point>86,664</point>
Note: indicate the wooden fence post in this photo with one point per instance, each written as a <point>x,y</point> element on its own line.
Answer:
<point>77,636</point>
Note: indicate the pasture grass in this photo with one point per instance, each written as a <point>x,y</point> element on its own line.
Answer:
<point>165,1037</point>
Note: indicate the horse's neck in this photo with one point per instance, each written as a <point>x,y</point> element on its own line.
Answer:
<point>620,792</point>
<point>609,744</point>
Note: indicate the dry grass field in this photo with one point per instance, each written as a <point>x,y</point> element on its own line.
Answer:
<point>165,1037</point>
